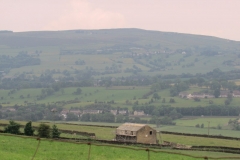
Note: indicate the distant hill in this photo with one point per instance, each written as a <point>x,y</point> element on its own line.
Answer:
<point>115,52</point>
<point>117,38</point>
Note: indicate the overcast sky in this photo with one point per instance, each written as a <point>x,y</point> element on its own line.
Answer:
<point>219,18</point>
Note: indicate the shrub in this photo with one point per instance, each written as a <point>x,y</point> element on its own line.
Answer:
<point>28,130</point>
<point>12,128</point>
<point>219,126</point>
<point>55,132</point>
<point>44,130</point>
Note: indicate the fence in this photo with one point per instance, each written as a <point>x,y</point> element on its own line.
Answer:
<point>148,151</point>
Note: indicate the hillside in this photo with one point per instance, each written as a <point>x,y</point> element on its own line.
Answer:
<point>115,53</point>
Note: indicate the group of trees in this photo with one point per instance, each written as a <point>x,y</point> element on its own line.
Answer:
<point>32,112</point>
<point>43,130</point>
<point>211,110</point>
<point>22,59</point>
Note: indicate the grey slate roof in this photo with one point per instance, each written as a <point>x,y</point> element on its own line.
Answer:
<point>131,126</point>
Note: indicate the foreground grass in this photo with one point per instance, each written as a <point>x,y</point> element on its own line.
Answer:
<point>23,149</point>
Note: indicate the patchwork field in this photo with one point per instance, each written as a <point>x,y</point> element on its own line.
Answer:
<point>118,94</point>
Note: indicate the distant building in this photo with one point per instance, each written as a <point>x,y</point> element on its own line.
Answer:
<point>136,133</point>
<point>64,113</point>
<point>236,94</point>
<point>183,94</point>
<point>75,112</point>
<point>123,112</point>
<point>195,95</point>
<point>224,94</point>
<point>92,111</point>
<point>138,113</point>
<point>114,112</point>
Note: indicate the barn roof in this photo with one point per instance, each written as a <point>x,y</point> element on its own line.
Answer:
<point>131,126</point>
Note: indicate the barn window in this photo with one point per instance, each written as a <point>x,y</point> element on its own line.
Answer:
<point>150,132</point>
<point>125,132</point>
<point>131,132</point>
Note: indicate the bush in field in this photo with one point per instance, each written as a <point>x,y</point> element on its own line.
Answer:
<point>44,130</point>
<point>197,125</point>
<point>55,132</point>
<point>12,128</point>
<point>28,130</point>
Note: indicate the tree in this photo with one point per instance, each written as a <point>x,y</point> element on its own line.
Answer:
<point>217,93</point>
<point>86,117</point>
<point>163,101</point>
<point>28,130</point>
<point>71,117</point>
<point>120,119</point>
<point>227,102</point>
<point>197,125</point>
<point>156,96</point>
<point>12,128</point>
<point>55,132</point>
<point>196,99</point>
<point>44,130</point>
<point>78,91</point>
<point>171,100</point>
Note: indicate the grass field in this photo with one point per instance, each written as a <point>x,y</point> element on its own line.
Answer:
<point>199,141</point>
<point>119,94</point>
<point>109,134</point>
<point>19,148</point>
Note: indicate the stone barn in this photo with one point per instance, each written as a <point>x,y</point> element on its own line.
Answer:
<point>138,133</point>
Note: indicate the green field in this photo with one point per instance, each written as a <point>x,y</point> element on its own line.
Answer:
<point>109,133</point>
<point>119,94</point>
<point>23,148</point>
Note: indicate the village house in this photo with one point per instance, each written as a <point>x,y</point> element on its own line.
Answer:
<point>201,95</point>
<point>195,95</point>
<point>11,109</point>
<point>136,133</point>
<point>114,112</point>
<point>64,113</point>
<point>236,94</point>
<point>75,112</point>
<point>138,113</point>
<point>122,112</point>
<point>92,111</point>
<point>224,94</point>
<point>183,95</point>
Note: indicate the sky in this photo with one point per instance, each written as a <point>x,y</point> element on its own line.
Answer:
<point>220,18</point>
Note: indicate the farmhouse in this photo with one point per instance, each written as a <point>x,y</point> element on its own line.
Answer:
<point>140,133</point>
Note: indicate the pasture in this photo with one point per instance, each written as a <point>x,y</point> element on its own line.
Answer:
<point>109,133</point>
<point>118,94</point>
<point>22,148</point>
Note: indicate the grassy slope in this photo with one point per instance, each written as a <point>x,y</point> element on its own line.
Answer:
<point>24,148</point>
<point>50,43</point>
